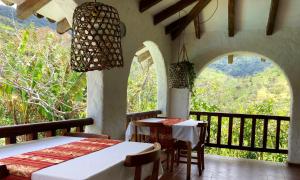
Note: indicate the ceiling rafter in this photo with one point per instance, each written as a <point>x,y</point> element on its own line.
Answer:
<point>147,4</point>
<point>8,2</point>
<point>197,25</point>
<point>63,26</point>
<point>179,25</point>
<point>231,18</point>
<point>272,17</point>
<point>171,10</point>
<point>29,7</point>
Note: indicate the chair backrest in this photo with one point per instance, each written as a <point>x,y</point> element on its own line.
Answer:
<point>150,156</point>
<point>203,128</point>
<point>155,130</point>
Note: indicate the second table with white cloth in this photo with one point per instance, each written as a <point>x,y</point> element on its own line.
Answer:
<point>185,131</point>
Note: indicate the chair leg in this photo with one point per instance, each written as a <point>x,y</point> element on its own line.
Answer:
<point>199,162</point>
<point>168,159</point>
<point>202,158</point>
<point>178,156</point>
<point>172,159</point>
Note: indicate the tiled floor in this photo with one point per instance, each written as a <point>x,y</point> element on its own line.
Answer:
<point>225,168</point>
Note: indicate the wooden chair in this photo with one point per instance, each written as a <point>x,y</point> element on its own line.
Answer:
<point>138,160</point>
<point>87,135</point>
<point>157,134</point>
<point>184,149</point>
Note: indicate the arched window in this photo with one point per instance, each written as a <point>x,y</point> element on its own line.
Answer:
<point>147,85</point>
<point>249,84</point>
<point>243,83</point>
<point>36,80</point>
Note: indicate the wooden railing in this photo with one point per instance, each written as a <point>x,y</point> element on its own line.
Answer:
<point>141,115</point>
<point>257,121</point>
<point>46,129</point>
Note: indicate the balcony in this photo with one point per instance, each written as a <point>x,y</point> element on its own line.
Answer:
<point>220,167</point>
<point>227,168</point>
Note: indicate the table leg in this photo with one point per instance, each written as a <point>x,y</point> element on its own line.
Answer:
<point>189,160</point>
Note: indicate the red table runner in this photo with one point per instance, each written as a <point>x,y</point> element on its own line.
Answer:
<point>22,166</point>
<point>172,121</point>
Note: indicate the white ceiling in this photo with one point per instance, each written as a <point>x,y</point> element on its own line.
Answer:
<point>250,14</point>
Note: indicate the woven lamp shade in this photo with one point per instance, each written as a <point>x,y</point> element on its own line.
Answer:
<point>96,39</point>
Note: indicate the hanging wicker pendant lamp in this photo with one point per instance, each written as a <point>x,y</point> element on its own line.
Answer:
<point>96,39</point>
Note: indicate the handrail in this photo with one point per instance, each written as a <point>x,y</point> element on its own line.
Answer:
<point>10,133</point>
<point>284,118</point>
<point>242,118</point>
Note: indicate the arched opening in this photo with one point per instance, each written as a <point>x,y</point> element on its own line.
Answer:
<point>147,81</point>
<point>36,80</point>
<point>254,87</point>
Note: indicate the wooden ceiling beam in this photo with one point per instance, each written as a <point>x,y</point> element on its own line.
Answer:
<point>272,17</point>
<point>197,27</point>
<point>178,26</point>
<point>29,7</point>
<point>8,2</point>
<point>147,4</point>
<point>171,10</point>
<point>231,18</point>
<point>63,26</point>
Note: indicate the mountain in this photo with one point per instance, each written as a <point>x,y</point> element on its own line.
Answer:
<point>242,66</point>
<point>9,18</point>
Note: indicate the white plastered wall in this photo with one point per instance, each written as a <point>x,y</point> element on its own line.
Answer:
<point>107,90</point>
<point>283,48</point>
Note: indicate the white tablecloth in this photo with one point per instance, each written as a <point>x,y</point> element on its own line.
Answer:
<point>184,131</point>
<point>106,164</point>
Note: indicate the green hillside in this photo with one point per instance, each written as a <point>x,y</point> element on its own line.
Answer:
<point>265,92</point>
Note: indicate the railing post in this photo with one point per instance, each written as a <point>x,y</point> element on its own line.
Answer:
<point>11,140</point>
<point>278,134</point>
<point>208,128</point>
<point>242,127</point>
<point>219,129</point>
<point>265,135</point>
<point>253,132</point>
<point>230,130</point>
<point>198,116</point>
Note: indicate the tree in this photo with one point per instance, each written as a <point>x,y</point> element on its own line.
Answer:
<point>36,81</point>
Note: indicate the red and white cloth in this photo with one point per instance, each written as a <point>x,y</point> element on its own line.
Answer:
<point>104,164</point>
<point>23,165</point>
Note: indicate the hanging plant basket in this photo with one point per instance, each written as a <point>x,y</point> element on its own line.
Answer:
<point>182,74</point>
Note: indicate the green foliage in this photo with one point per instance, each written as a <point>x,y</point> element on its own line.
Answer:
<point>36,81</point>
<point>191,74</point>
<point>266,92</point>
<point>142,87</point>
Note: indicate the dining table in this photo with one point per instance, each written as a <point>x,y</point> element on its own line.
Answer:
<point>99,165</point>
